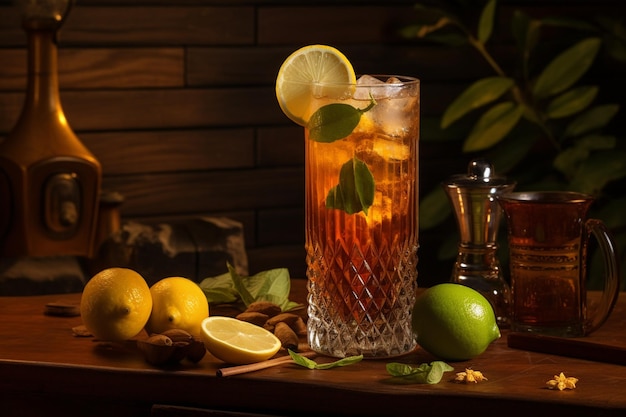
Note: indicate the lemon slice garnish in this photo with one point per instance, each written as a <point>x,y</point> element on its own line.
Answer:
<point>312,70</point>
<point>238,342</point>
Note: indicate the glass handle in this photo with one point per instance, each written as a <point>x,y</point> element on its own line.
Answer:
<point>611,274</point>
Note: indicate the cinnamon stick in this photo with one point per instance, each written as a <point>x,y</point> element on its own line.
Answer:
<point>243,369</point>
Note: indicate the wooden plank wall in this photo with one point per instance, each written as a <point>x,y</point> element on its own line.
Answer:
<point>176,100</point>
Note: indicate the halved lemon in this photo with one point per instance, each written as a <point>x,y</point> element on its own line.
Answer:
<point>318,69</point>
<point>238,342</point>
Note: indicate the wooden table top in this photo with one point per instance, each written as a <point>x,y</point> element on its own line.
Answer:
<point>41,360</point>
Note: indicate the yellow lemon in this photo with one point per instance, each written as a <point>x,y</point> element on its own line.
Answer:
<point>238,342</point>
<point>454,322</point>
<point>313,69</point>
<point>115,304</point>
<point>178,303</point>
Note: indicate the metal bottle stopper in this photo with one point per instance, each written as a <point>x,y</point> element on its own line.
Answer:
<point>478,217</point>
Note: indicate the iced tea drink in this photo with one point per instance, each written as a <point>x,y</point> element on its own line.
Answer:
<point>548,236</point>
<point>362,218</point>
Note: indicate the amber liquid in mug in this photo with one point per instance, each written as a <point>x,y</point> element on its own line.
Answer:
<point>547,264</point>
<point>547,285</point>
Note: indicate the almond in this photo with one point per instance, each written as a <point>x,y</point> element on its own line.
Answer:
<point>265,307</point>
<point>253,317</point>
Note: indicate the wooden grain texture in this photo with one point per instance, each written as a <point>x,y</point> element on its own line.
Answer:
<point>156,25</point>
<point>280,146</point>
<point>83,68</point>
<point>339,24</point>
<point>171,150</point>
<point>157,108</point>
<point>290,256</point>
<point>281,226</point>
<point>516,384</point>
<point>214,191</point>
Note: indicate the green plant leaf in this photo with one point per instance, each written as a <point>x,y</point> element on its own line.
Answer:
<point>526,33</point>
<point>311,364</point>
<point>485,24</point>
<point>568,22</point>
<point>355,191</point>
<point>423,374</point>
<point>616,48</point>
<point>613,25</point>
<point>595,118</point>
<point>571,102</point>
<point>492,126</point>
<point>219,289</point>
<point>333,122</point>
<point>273,285</point>
<point>598,170</point>
<point>507,154</point>
<point>567,68</point>
<point>615,36</point>
<point>569,160</point>
<point>434,208</point>
<point>478,94</point>
<point>597,142</point>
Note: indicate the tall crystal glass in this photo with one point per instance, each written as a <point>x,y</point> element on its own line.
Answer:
<point>362,216</point>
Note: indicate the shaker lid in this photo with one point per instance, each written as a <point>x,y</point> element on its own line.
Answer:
<point>480,172</point>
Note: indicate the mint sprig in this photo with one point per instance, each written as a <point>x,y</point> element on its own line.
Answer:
<point>311,364</point>
<point>426,373</point>
<point>355,191</point>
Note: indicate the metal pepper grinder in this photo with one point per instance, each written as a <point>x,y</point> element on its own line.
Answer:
<point>478,217</point>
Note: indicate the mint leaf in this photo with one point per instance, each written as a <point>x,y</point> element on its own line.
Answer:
<point>219,289</point>
<point>355,191</point>
<point>273,285</point>
<point>302,360</point>
<point>311,364</point>
<point>423,374</point>
<point>335,121</point>
<point>438,368</point>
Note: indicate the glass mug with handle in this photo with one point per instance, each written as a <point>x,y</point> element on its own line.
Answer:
<point>548,234</point>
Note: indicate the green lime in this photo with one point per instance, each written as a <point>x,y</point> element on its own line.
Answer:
<point>454,322</point>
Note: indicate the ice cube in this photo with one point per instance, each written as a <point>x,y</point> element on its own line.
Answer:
<point>364,81</point>
<point>373,87</point>
<point>368,80</point>
<point>390,149</point>
<point>396,103</point>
